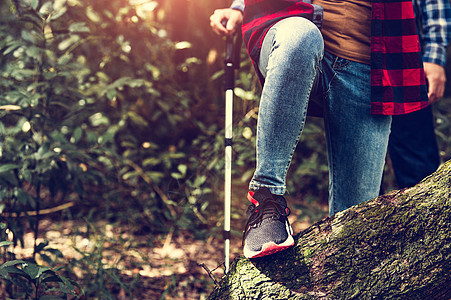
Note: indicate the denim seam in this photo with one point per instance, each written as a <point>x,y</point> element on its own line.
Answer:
<point>331,159</point>
<point>332,194</point>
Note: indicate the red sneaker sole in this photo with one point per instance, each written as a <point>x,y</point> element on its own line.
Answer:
<point>271,248</point>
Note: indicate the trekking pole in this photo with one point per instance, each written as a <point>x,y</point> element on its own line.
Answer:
<point>231,62</point>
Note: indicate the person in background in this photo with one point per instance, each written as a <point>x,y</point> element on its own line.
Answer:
<point>412,144</point>
<point>363,67</point>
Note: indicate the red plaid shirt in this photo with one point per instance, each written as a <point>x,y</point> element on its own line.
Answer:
<point>398,84</point>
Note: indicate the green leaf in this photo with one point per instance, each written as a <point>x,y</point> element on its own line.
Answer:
<point>68,287</point>
<point>182,45</point>
<point>12,263</point>
<point>21,74</point>
<point>8,167</point>
<point>177,175</point>
<point>9,178</point>
<point>65,44</point>
<point>151,161</point>
<point>136,83</point>
<point>41,246</point>
<point>58,13</point>
<point>92,15</point>
<point>78,27</point>
<point>5,243</point>
<point>14,270</point>
<point>199,180</point>
<point>98,119</point>
<point>65,59</point>
<point>111,93</point>
<point>46,258</point>
<point>27,36</point>
<point>4,274</point>
<point>42,270</point>
<point>11,48</point>
<point>155,176</point>
<point>137,119</point>
<point>55,252</point>
<point>26,175</point>
<point>58,137</point>
<point>78,132</point>
<point>22,196</point>
<point>164,105</point>
<point>33,51</point>
<point>34,270</point>
<point>53,278</point>
<point>182,169</point>
<point>129,175</point>
<point>34,4</point>
<point>46,8</point>
<point>31,269</point>
<point>107,137</point>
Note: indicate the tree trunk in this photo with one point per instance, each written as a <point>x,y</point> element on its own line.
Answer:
<point>396,246</point>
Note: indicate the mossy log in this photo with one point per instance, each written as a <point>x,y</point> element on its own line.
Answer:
<point>396,246</point>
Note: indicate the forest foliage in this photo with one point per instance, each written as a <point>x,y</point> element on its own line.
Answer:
<point>115,107</point>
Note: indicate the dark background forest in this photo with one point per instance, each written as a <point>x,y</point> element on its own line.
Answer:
<point>111,149</point>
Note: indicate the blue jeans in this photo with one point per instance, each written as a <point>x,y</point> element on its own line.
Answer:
<point>413,147</point>
<point>296,68</point>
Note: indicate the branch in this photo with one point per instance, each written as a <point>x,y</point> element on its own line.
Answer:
<point>396,246</point>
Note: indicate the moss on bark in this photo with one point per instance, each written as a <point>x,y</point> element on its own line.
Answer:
<point>396,246</point>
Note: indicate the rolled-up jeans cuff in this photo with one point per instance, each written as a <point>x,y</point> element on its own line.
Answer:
<point>275,190</point>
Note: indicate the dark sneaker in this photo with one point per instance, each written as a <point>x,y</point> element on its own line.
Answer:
<point>267,230</point>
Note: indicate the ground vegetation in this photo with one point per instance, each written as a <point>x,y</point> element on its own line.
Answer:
<point>111,149</point>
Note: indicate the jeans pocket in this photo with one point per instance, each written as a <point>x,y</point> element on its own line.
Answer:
<point>340,63</point>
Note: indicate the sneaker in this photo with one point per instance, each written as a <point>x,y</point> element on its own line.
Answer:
<point>267,230</point>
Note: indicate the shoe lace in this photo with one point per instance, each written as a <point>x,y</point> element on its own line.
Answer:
<point>270,208</point>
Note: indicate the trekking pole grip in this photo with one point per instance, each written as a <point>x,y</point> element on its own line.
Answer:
<point>229,71</point>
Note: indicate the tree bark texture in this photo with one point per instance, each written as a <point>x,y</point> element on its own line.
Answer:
<point>396,246</point>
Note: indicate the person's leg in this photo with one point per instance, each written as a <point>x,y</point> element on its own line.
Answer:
<point>289,61</point>
<point>413,147</point>
<point>356,140</point>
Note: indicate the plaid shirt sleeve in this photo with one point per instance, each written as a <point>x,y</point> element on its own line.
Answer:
<point>433,18</point>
